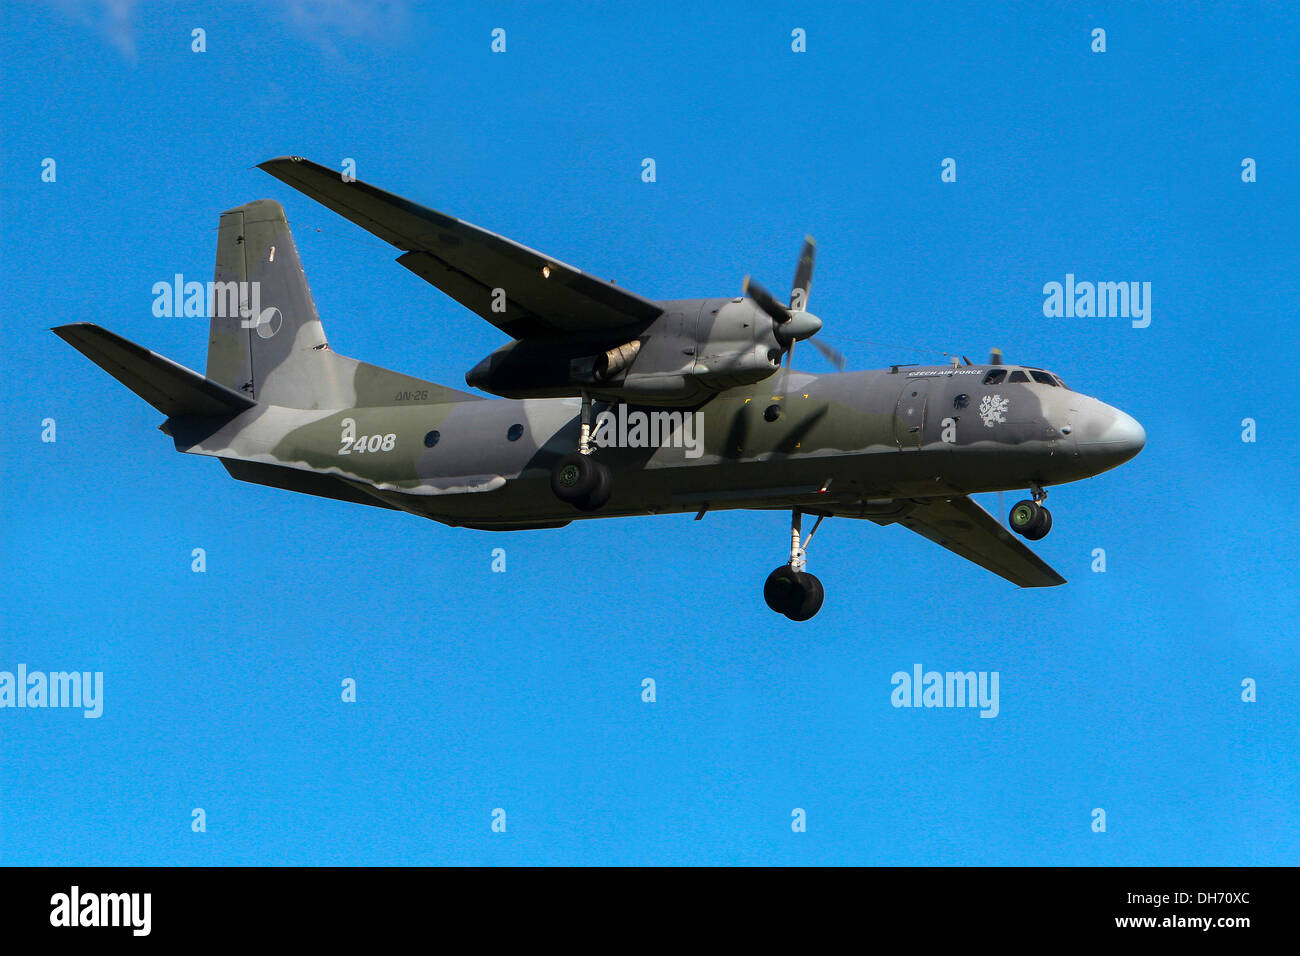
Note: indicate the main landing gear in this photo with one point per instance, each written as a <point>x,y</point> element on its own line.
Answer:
<point>1030,518</point>
<point>577,477</point>
<point>790,590</point>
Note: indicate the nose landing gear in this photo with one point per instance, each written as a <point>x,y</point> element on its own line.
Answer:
<point>1031,519</point>
<point>790,590</point>
<point>577,477</point>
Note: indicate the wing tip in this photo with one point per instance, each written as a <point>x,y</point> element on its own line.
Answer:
<point>279,161</point>
<point>72,332</point>
<point>277,166</point>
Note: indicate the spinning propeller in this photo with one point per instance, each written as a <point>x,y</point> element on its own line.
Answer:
<point>794,323</point>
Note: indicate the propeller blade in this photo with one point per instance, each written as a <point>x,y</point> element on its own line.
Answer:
<point>995,357</point>
<point>803,274</point>
<point>766,301</point>
<point>831,355</point>
<point>785,372</point>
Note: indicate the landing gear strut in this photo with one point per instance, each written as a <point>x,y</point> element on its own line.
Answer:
<point>1030,518</point>
<point>577,477</point>
<point>790,590</point>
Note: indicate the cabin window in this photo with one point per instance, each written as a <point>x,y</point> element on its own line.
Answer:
<point>995,377</point>
<point>1018,376</point>
<point>961,401</point>
<point>515,432</point>
<point>431,439</point>
<point>1043,378</point>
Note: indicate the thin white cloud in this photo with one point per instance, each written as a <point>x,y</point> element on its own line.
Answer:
<point>112,19</point>
<point>323,22</point>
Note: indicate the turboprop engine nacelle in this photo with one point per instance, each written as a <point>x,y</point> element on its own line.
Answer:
<point>694,349</point>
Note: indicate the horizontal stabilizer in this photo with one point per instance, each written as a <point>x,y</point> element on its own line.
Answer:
<point>171,388</point>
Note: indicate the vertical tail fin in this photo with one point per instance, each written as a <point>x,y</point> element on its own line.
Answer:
<point>271,345</point>
<point>266,339</point>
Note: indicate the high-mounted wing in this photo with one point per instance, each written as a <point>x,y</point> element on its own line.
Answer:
<point>543,296</point>
<point>964,528</point>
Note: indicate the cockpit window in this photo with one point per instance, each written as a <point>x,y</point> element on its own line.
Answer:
<point>1018,376</point>
<point>1043,378</point>
<point>995,377</point>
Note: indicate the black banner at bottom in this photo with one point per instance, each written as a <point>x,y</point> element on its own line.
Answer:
<point>335,905</point>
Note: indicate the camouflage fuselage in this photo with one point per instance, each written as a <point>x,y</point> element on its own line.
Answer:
<point>832,443</point>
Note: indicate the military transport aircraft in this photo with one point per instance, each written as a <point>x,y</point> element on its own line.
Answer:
<point>612,405</point>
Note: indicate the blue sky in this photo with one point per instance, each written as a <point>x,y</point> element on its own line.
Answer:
<point>1120,690</point>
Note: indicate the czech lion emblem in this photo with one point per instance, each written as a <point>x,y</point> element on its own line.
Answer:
<point>993,410</point>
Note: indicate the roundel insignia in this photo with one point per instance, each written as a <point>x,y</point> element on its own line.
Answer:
<point>269,322</point>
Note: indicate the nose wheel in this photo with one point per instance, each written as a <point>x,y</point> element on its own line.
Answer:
<point>1031,519</point>
<point>577,477</point>
<point>790,590</point>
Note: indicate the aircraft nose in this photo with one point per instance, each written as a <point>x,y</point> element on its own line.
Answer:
<point>1110,437</point>
<point>1126,433</point>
